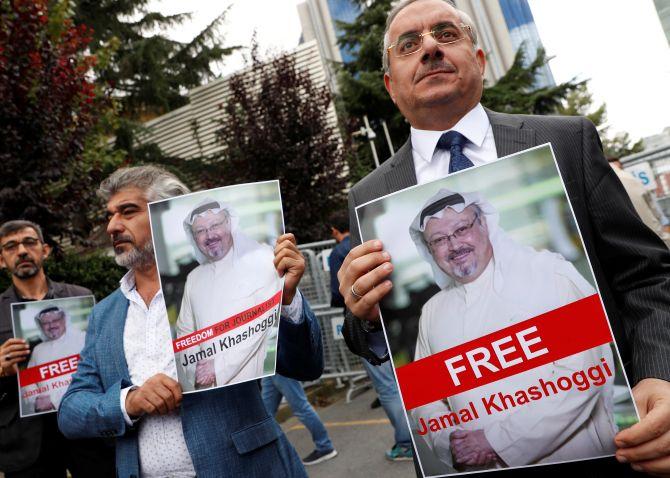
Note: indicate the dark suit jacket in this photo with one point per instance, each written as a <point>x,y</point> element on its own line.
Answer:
<point>631,264</point>
<point>20,438</point>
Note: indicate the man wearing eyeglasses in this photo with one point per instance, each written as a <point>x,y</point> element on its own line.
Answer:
<point>33,446</point>
<point>434,73</point>
<point>488,281</point>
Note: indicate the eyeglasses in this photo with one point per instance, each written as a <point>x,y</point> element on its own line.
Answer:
<point>459,233</point>
<point>28,243</point>
<point>47,323</point>
<point>200,232</point>
<point>443,33</point>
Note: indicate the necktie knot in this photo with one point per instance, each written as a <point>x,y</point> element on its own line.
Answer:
<point>452,139</point>
<point>454,142</point>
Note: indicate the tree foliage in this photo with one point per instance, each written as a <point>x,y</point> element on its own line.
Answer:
<point>49,117</point>
<point>580,102</point>
<point>275,125</point>
<point>149,72</point>
<point>516,91</point>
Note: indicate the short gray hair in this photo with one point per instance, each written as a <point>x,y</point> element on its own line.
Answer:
<point>464,17</point>
<point>10,227</point>
<point>156,182</point>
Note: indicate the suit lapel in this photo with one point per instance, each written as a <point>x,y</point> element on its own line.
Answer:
<point>401,173</point>
<point>509,134</point>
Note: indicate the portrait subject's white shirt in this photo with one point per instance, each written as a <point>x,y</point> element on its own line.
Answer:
<point>147,344</point>
<point>565,426</point>
<point>70,343</point>
<point>217,290</point>
<point>430,164</point>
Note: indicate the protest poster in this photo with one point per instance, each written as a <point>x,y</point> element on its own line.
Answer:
<point>215,251</point>
<point>55,330</point>
<point>498,337</point>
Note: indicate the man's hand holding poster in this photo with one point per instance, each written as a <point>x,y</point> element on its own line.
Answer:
<point>221,289</point>
<point>501,346</point>
<point>55,330</point>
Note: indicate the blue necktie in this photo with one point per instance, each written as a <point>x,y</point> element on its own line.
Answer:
<point>454,142</point>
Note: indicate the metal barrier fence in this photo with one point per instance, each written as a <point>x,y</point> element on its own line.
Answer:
<point>340,362</point>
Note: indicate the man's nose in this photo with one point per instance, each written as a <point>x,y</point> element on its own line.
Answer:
<point>114,225</point>
<point>430,49</point>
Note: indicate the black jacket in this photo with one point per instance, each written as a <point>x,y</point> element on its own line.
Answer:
<point>20,438</point>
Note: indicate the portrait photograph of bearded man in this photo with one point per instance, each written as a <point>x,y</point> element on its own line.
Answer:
<point>56,329</point>
<point>481,251</point>
<point>222,289</point>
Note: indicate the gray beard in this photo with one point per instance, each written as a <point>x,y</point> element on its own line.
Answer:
<point>27,273</point>
<point>465,271</point>
<point>136,258</point>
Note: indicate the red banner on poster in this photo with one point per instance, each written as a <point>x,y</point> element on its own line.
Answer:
<point>226,325</point>
<point>549,337</point>
<point>48,370</point>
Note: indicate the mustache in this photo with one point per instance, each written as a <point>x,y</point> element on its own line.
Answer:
<point>435,65</point>
<point>121,238</point>
<point>213,240</point>
<point>23,259</point>
<point>463,250</point>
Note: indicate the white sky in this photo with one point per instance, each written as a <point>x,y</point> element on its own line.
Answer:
<point>618,44</point>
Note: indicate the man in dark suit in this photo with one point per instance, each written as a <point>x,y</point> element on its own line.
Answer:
<point>33,446</point>
<point>434,74</point>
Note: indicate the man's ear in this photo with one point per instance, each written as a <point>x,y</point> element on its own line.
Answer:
<point>46,251</point>
<point>388,83</point>
<point>3,264</point>
<point>481,60</point>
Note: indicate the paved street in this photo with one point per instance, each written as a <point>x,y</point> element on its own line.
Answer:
<point>360,435</point>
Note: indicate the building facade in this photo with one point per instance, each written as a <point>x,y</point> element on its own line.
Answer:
<point>523,33</point>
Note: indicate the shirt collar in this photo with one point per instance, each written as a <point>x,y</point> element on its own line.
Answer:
<point>473,126</point>
<point>129,288</point>
<point>127,283</point>
<point>49,295</point>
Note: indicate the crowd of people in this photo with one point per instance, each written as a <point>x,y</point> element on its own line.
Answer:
<point>124,413</point>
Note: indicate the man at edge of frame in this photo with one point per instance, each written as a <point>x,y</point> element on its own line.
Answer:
<point>434,74</point>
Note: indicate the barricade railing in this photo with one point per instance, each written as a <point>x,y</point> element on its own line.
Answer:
<point>339,362</point>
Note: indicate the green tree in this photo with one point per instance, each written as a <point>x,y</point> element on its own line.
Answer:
<point>275,125</point>
<point>149,73</point>
<point>580,102</point>
<point>50,116</point>
<point>516,91</point>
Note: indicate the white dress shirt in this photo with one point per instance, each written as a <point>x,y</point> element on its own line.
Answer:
<point>430,164</point>
<point>242,279</point>
<point>147,345</point>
